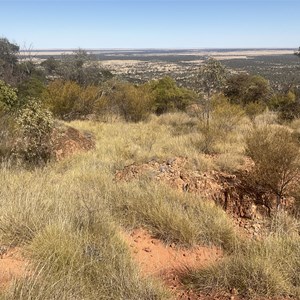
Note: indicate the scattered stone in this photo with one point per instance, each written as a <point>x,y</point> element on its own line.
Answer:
<point>147,249</point>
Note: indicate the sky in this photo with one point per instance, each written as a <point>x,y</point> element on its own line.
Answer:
<point>96,24</point>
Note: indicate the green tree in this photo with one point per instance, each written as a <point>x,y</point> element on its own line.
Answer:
<point>8,59</point>
<point>133,103</point>
<point>50,65</point>
<point>211,78</point>
<point>168,96</point>
<point>286,104</point>
<point>82,68</point>
<point>68,100</point>
<point>275,153</point>
<point>244,89</point>
<point>32,86</point>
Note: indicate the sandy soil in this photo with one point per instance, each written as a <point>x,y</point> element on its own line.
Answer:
<point>12,266</point>
<point>120,62</point>
<point>167,262</point>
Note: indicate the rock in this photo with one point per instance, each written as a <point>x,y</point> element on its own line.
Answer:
<point>147,249</point>
<point>67,140</point>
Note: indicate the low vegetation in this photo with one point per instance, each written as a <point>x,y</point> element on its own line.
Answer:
<point>69,216</point>
<point>267,268</point>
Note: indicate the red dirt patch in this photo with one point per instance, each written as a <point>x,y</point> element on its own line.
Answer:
<point>12,265</point>
<point>167,262</point>
<point>68,140</point>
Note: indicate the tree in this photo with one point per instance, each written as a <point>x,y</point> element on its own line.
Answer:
<point>133,103</point>
<point>8,102</point>
<point>244,89</point>
<point>285,103</point>
<point>51,65</point>
<point>210,79</point>
<point>275,153</point>
<point>168,96</point>
<point>82,68</point>
<point>8,59</point>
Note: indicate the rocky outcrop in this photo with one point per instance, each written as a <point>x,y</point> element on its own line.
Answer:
<point>234,192</point>
<point>67,140</point>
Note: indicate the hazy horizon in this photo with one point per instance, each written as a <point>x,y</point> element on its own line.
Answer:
<point>153,48</point>
<point>156,24</point>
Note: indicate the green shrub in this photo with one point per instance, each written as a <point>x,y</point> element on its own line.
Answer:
<point>60,97</point>
<point>134,102</point>
<point>68,100</point>
<point>34,128</point>
<point>169,97</point>
<point>32,87</point>
<point>8,103</point>
<point>253,109</point>
<point>276,156</point>
<point>224,119</point>
<point>244,89</point>
<point>8,97</point>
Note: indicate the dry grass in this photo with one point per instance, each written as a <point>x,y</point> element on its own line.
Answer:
<point>62,220</point>
<point>268,268</point>
<point>68,215</point>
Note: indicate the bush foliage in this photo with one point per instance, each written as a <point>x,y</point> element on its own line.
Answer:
<point>275,153</point>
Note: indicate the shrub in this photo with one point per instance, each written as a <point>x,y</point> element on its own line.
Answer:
<point>8,97</point>
<point>68,100</point>
<point>253,109</point>
<point>224,118</point>
<point>34,127</point>
<point>133,103</point>
<point>244,89</point>
<point>169,97</point>
<point>276,157</point>
<point>82,68</point>
<point>60,97</point>
<point>31,87</point>
<point>8,105</point>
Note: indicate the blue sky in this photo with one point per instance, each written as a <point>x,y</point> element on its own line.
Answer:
<point>151,24</point>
